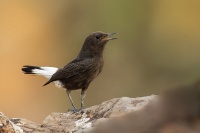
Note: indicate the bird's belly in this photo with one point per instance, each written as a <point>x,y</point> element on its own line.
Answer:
<point>59,84</point>
<point>79,81</point>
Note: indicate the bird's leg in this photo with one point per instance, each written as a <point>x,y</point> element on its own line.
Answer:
<point>70,98</point>
<point>82,99</point>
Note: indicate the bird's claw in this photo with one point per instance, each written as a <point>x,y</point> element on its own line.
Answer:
<point>75,110</point>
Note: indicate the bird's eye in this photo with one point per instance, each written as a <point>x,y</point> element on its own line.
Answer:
<point>98,37</point>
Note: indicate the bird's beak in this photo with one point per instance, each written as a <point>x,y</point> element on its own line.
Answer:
<point>107,38</point>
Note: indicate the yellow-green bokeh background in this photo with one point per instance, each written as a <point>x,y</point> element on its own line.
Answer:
<point>158,48</point>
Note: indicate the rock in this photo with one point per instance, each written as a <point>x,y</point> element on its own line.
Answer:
<point>173,111</point>
<point>7,126</point>
<point>109,109</point>
<point>83,122</point>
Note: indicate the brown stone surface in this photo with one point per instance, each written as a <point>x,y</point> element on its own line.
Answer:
<point>174,111</point>
<point>78,122</point>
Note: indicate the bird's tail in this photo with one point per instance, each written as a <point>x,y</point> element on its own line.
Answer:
<point>44,71</point>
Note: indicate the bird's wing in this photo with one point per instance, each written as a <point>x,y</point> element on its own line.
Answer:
<point>76,67</point>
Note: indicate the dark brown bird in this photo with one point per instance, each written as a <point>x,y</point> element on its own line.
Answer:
<point>80,72</point>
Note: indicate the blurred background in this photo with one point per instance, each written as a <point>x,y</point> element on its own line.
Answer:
<point>157,49</point>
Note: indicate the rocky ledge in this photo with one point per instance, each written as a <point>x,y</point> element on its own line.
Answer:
<point>173,111</point>
<point>76,122</point>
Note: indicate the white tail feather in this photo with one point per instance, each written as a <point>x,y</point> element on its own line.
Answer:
<point>45,71</point>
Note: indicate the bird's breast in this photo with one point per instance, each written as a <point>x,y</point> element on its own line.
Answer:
<point>83,79</point>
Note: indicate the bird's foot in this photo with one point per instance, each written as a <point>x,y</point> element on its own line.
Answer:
<point>75,110</point>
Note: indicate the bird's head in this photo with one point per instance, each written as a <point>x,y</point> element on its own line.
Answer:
<point>99,38</point>
<point>94,44</point>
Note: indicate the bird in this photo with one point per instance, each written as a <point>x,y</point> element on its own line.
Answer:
<point>81,71</point>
